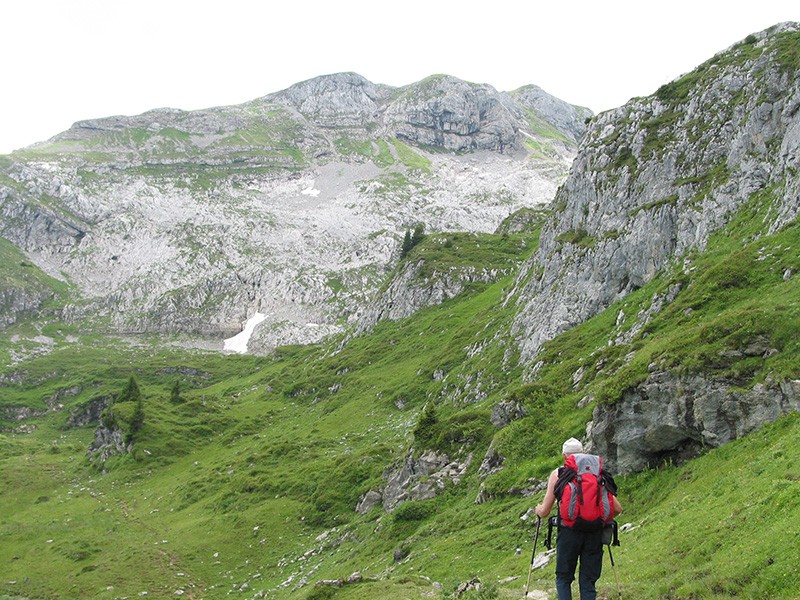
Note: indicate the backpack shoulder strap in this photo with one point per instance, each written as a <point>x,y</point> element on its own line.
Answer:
<point>607,479</point>
<point>565,476</point>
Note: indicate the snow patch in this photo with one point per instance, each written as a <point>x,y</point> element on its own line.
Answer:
<point>311,191</point>
<point>238,343</point>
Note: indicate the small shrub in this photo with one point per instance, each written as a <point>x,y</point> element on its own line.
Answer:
<point>412,511</point>
<point>322,592</point>
<point>427,427</point>
<point>579,237</point>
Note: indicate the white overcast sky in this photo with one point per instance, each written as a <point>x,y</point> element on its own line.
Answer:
<point>68,60</point>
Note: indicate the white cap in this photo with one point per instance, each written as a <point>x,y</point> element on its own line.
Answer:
<point>572,446</point>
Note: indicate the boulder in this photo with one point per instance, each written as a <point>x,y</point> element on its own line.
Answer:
<point>505,412</point>
<point>369,500</point>
<point>421,478</point>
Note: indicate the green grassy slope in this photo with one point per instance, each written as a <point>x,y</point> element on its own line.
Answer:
<point>248,482</point>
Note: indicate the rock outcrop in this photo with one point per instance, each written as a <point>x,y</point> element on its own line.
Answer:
<point>408,292</point>
<point>16,301</point>
<point>341,100</point>
<point>419,478</point>
<point>89,413</point>
<point>671,417</point>
<point>108,442</point>
<point>455,115</point>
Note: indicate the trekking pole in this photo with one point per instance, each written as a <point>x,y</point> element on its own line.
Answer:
<point>614,568</point>
<point>533,554</point>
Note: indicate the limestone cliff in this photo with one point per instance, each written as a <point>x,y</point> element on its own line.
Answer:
<point>672,417</point>
<point>655,177</point>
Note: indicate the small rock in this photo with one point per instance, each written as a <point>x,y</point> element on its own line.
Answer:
<point>355,577</point>
<point>473,584</point>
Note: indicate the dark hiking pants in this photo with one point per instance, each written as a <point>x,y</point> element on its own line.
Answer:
<point>572,546</point>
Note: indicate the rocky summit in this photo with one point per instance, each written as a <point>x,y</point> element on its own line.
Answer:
<point>291,206</point>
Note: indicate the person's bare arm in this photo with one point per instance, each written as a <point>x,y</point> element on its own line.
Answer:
<point>617,506</point>
<point>546,506</point>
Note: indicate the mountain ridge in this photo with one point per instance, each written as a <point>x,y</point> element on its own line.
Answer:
<point>637,188</point>
<point>104,184</point>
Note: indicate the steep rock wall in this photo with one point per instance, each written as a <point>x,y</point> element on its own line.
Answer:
<point>408,292</point>
<point>655,177</point>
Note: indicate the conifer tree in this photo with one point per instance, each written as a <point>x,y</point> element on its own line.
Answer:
<point>175,395</point>
<point>406,247</point>
<point>411,239</point>
<point>132,393</point>
<point>137,421</point>
<point>419,233</point>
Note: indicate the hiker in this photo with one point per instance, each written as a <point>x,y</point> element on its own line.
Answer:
<point>572,544</point>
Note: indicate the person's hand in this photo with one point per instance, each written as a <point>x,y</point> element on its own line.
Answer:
<point>538,510</point>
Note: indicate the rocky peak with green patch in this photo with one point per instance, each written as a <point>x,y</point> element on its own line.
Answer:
<point>440,111</point>
<point>338,100</point>
<point>291,206</point>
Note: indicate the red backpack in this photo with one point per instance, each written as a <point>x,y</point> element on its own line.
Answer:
<point>585,493</point>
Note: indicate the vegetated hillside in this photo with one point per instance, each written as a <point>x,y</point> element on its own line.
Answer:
<point>245,480</point>
<point>292,205</point>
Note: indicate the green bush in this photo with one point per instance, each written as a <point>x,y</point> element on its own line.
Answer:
<point>322,592</point>
<point>412,511</point>
<point>427,429</point>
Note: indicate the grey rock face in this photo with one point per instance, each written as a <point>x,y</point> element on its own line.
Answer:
<point>370,500</point>
<point>505,412</point>
<point>408,292</point>
<point>16,301</point>
<point>339,100</point>
<point>671,417</point>
<point>564,116</point>
<point>492,462</point>
<point>422,478</point>
<point>88,413</point>
<point>655,177</point>
<point>20,413</point>
<point>453,114</point>
<point>107,442</point>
